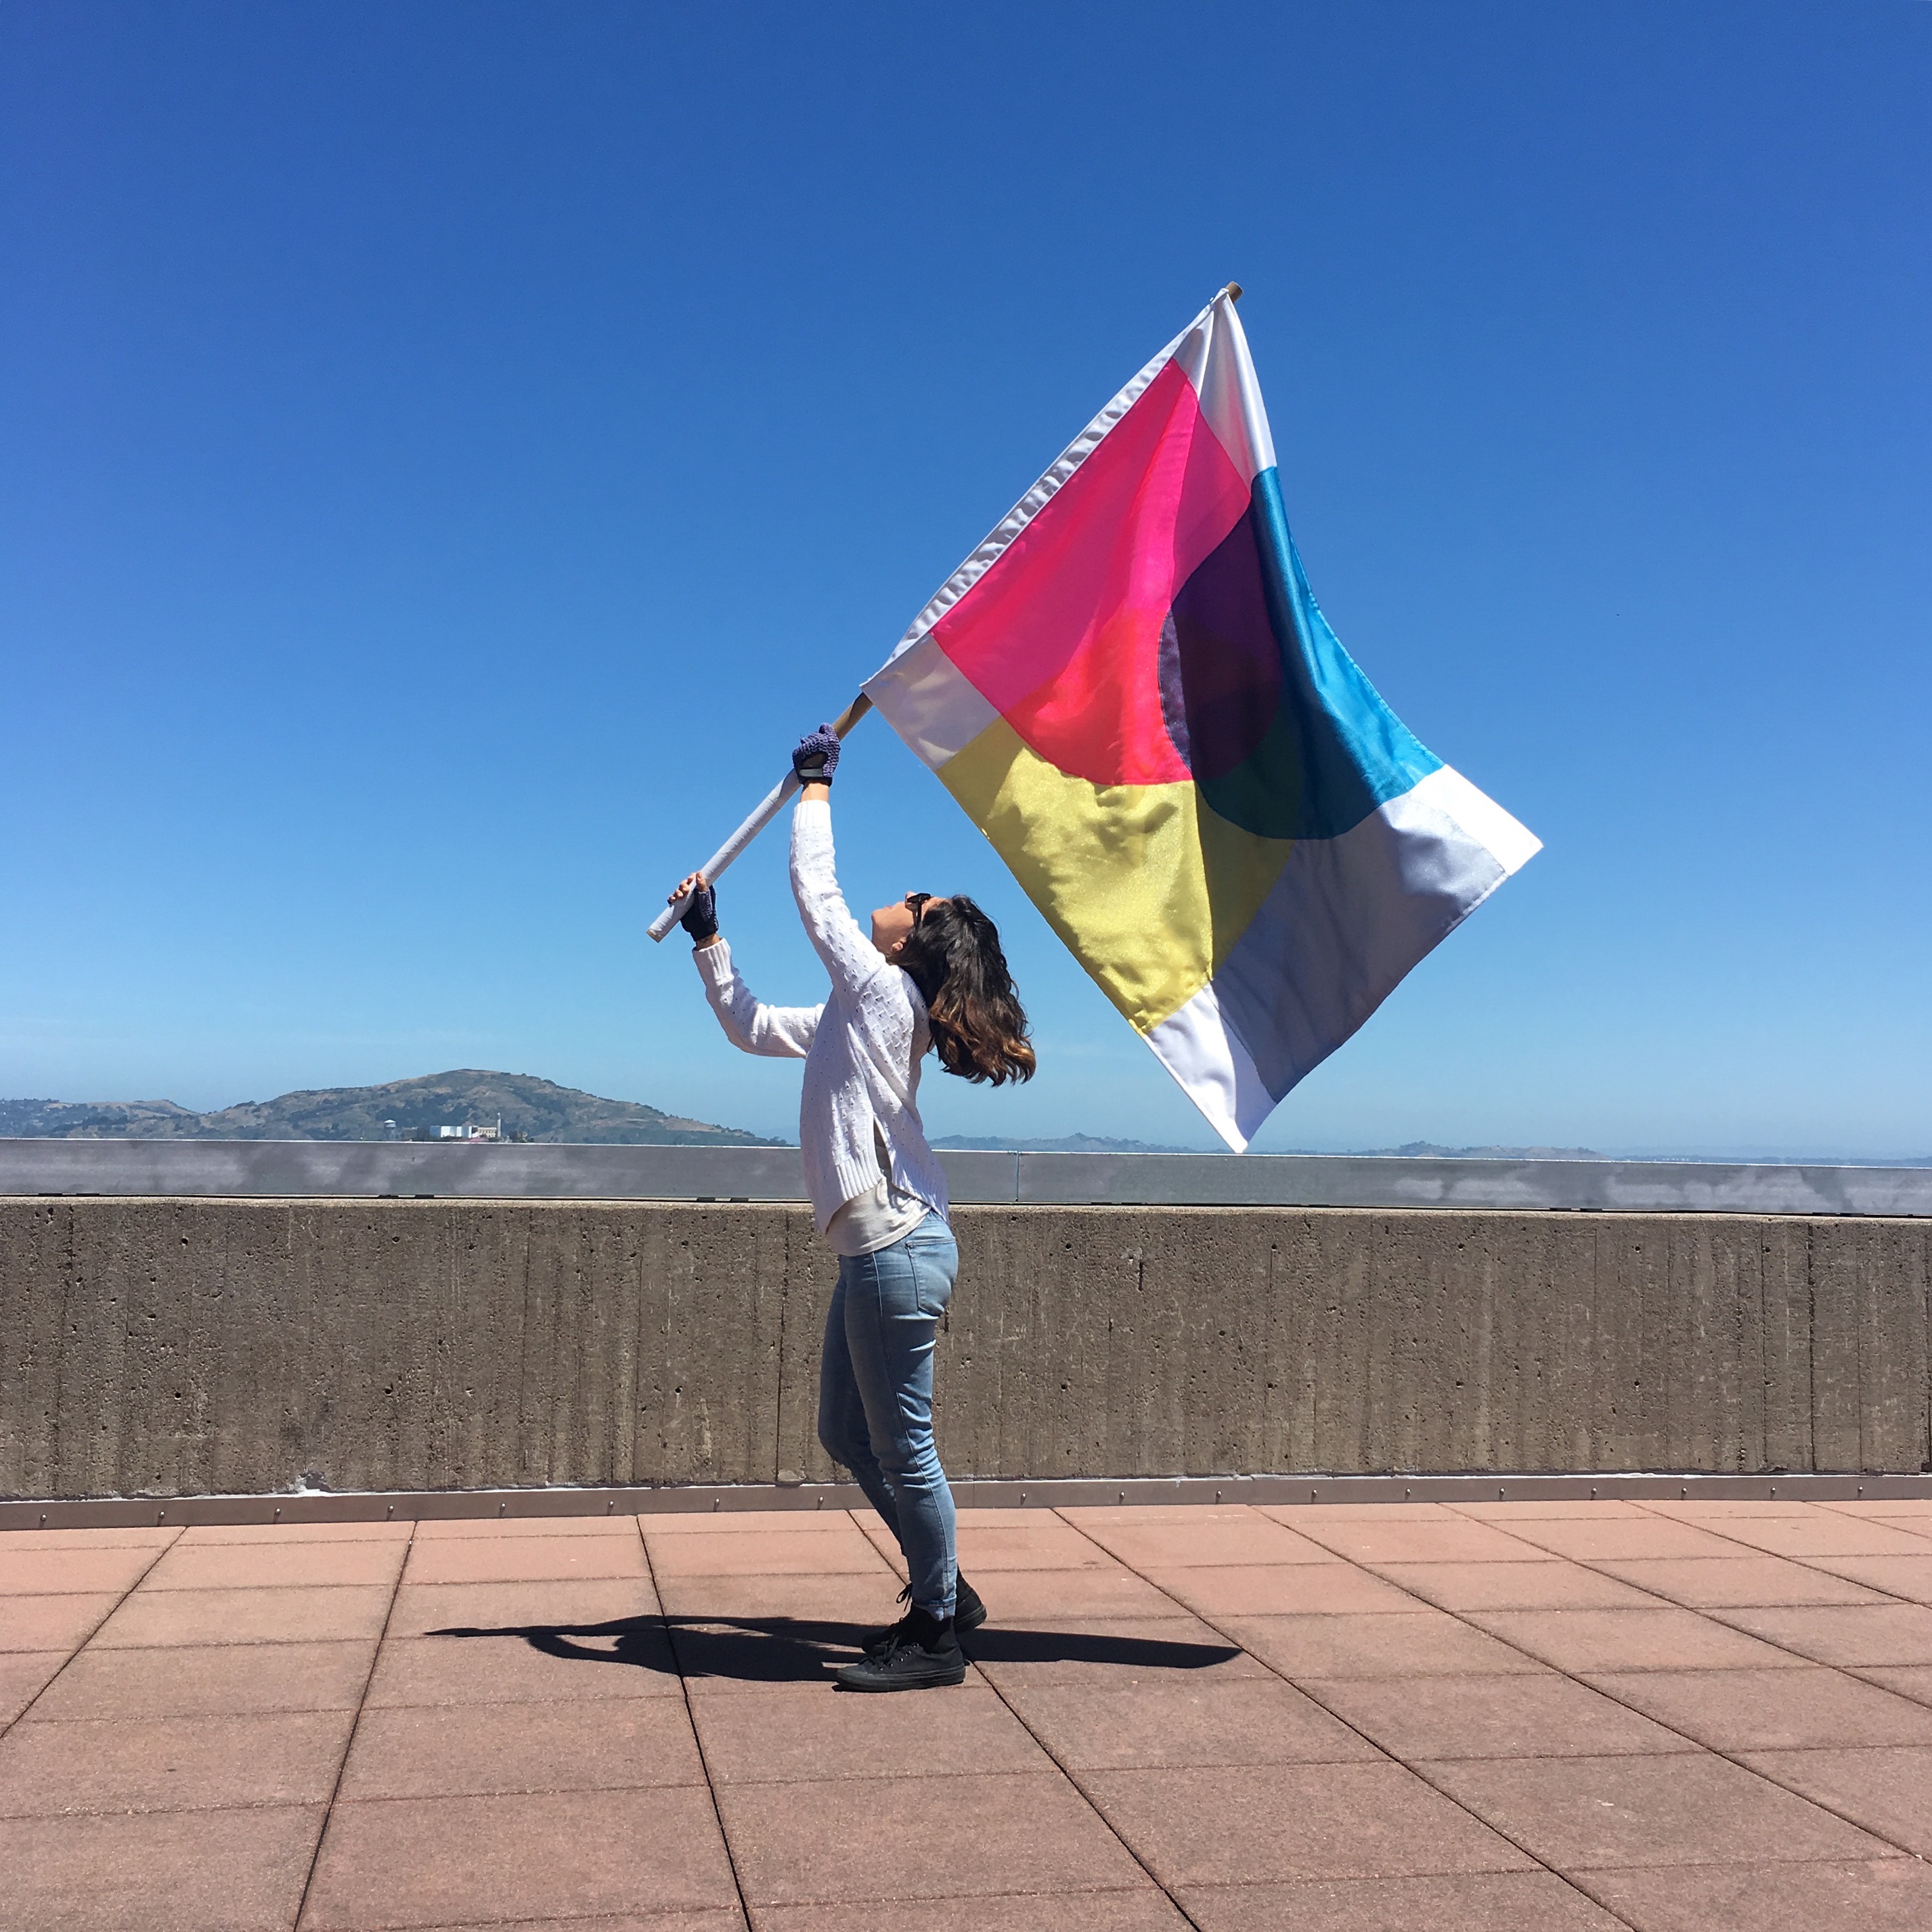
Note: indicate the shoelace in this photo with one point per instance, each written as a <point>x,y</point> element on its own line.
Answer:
<point>902,1637</point>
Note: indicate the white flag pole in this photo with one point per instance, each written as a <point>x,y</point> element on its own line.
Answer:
<point>769,809</point>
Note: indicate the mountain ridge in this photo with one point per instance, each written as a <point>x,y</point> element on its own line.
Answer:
<point>1061,1144</point>
<point>531,1109</point>
<point>541,1110</point>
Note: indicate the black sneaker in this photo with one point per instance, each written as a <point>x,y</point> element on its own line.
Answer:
<point>968,1614</point>
<point>923,1654</point>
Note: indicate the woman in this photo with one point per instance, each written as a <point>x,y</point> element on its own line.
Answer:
<point>929,976</point>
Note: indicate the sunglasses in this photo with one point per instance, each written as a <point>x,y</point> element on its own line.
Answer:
<point>917,901</point>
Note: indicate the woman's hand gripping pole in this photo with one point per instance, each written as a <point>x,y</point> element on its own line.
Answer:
<point>768,808</point>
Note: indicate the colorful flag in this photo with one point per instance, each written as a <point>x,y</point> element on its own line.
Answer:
<point>1131,691</point>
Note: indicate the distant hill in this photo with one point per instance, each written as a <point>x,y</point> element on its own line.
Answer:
<point>1066,1144</point>
<point>540,1110</point>
<point>1097,1143</point>
<point>531,1109</point>
<point>1429,1150</point>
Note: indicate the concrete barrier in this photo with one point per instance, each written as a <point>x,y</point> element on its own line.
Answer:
<point>191,1346</point>
<point>488,1172</point>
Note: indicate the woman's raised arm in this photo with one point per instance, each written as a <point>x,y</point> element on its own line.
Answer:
<point>838,939</point>
<point>783,1033</point>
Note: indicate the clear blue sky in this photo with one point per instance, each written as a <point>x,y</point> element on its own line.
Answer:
<point>451,451</point>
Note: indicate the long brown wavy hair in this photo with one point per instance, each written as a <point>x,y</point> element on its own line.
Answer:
<point>979,1026</point>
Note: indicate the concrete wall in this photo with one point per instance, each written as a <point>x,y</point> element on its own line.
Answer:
<point>190,1346</point>
<point>481,1171</point>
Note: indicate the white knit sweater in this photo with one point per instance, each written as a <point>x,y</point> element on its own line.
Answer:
<point>862,1049</point>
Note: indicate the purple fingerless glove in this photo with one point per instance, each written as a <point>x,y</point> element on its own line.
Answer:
<point>700,914</point>
<point>816,757</point>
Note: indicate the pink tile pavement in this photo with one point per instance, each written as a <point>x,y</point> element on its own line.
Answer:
<point>50,1572</point>
<point>1876,1895</point>
<point>870,1841</point>
<point>158,1871</point>
<point>502,1559</point>
<point>273,1565</point>
<point>1414,1716</point>
<point>1456,1902</point>
<point>1171,1539</point>
<point>149,1536</point>
<point>280,1535</point>
<point>1440,1540</point>
<point>24,1675</point>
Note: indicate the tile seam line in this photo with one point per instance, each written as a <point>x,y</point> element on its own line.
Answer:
<point>1593,1564</point>
<point>906,1899</point>
<point>20,1716</point>
<point>1378,1568</point>
<point>1664,1603</point>
<point>244,1643</point>
<point>1707,1864</point>
<point>1905,1524</point>
<point>1862,1672</point>
<point>1380,1751</point>
<point>924,1777</point>
<point>1046,1749</point>
<point>436,1797</point>
<point>229,1808</point>
<point>696,1736</point>
<point>1087,1798</point>
<point>349,1743</point>
<point>234,1716</point>
<point>1830,1811</point>
<point>1817,1566</point>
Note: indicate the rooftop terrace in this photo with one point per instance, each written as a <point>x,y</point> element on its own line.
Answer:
<point>1554,1714</point>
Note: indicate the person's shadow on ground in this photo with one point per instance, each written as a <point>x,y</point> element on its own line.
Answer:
<point>796,1650</point>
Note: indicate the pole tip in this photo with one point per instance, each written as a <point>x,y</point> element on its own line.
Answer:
<point>1234,291</point>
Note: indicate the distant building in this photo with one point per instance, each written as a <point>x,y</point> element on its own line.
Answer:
<point>469,1131</point>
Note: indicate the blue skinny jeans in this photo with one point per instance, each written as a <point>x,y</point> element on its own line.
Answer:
<point>875,1395</point>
